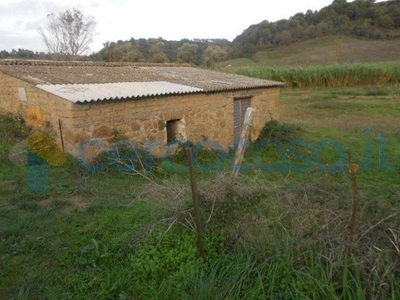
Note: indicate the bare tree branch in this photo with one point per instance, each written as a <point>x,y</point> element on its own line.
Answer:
<point>69,33</point>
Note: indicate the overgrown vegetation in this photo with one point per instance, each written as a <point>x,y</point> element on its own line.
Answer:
<point>12,128</point>
<point>282,132</point>
<point>275,233</point>
<point>337,75</point>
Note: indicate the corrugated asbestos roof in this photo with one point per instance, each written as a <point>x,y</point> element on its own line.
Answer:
<point>79,93</point>
<point>87,73</point>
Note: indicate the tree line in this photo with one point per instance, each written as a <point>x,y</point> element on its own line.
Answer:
<point>21,53</point>
<point>198,51</point>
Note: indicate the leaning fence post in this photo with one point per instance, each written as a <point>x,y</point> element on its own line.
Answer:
<point>244,136</point>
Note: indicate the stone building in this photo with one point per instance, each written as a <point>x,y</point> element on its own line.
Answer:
<point>86,101</point>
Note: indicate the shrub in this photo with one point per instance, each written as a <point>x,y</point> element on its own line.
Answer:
<point>282,132</point>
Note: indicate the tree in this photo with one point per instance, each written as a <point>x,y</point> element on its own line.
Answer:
<point>213,55</point>
<point>69,33</point>
<point>4,54</point>
<point>157,54</point>
<point>187,52</point>
<point>133,56</point>
<point>386,21</point>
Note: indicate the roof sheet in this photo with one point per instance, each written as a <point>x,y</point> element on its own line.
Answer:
<point>85,73</point>
<point>79,93</point>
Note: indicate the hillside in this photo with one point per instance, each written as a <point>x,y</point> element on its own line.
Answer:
<point>323,51</point>
<point>362,19</point>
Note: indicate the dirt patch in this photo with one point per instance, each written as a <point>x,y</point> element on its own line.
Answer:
<point>65,205</point>
<point>79,202</point>
<point>9,185</point>
<point>46,203</point>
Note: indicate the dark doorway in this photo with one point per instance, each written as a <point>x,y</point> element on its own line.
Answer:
<point>175,131</point>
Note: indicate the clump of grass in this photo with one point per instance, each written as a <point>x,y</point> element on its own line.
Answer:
<point>282,132</point>
<point>12,128</point>
<point>376,92</point>
<point>178,153</point>
<point>205,153</point>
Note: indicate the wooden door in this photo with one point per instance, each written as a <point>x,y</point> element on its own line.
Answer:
<point>239,111</point>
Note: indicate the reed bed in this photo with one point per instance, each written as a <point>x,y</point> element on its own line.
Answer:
<point>330,75</point>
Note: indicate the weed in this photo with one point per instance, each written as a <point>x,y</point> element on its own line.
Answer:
<point>12,128</point>
<point>282,132</point>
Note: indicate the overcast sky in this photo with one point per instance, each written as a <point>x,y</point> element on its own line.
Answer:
<point>123,19</point>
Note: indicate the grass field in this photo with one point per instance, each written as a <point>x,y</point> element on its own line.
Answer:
<point>279,232</point>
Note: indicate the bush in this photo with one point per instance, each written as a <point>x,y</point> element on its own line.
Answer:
<point>282,132</point>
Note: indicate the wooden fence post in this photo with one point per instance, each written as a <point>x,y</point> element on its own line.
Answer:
<point>244,137</point>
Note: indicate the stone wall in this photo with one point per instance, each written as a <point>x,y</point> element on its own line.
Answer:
<point>204,116</point>
<point>9,95</point>
<point>39,108</point>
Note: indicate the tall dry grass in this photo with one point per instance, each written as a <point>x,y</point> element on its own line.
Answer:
<point>329,76</point>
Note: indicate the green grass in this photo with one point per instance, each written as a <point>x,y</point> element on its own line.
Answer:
<point>274,235</point>
<point>239,62</point>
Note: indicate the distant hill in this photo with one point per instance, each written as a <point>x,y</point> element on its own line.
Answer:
<point>362,19</point>
<point>322,51</point>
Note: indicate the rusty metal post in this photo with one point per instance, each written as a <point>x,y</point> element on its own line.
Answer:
<point>61,134</point>
<point>195,203</point>
<point>353,172</point>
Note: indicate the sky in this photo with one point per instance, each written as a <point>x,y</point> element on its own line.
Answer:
<point>124,19</point>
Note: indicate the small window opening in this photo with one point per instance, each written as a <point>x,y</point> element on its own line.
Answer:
<point>175,131</point>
